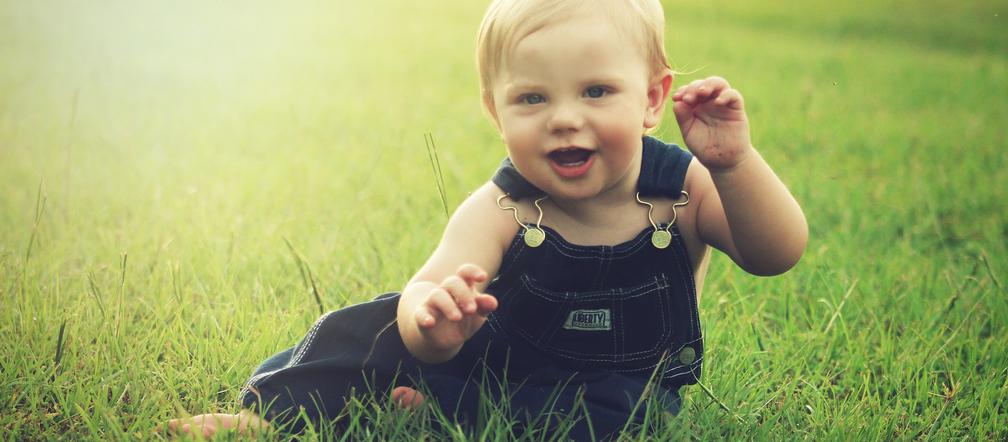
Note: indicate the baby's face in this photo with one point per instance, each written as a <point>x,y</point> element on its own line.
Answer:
<point>572,101</point>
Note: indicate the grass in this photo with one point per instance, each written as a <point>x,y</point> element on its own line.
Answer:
<point>183,187</point>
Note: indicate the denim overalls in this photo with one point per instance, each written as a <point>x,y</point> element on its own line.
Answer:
<point>574,323</point>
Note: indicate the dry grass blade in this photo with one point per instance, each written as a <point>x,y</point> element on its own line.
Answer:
<point>307,278</point>
<point>40,202</point>
<point>122,294</point>
<point>95,293</point>
<point>843,301</point>
<point>436,167</point>
<point>990,271</point>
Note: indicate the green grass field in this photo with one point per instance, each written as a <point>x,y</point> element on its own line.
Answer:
<point>154,158</point>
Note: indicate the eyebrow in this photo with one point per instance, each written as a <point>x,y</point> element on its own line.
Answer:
<point>521,85</point>
<point>518,85</point>
<point>516,89</point>
<point>614,80</point>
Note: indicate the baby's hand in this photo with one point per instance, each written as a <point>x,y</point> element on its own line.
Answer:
<point>713,122</point>
<point>454,310</point>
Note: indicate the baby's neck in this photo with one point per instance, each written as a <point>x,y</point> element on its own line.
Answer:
<point>597,215</point>
<point>607,209</point>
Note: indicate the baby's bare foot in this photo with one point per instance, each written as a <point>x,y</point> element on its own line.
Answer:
<point>407,398</point>
<point>207,425</point>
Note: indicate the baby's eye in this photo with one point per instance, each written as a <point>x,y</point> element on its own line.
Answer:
<point>532,99</point>
<point>596,92</point>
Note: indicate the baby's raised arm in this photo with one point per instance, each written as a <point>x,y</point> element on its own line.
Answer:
<point>443,305</point>
<point>744,209</point>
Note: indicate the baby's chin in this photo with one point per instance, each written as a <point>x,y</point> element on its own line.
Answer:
<point>574,190</point>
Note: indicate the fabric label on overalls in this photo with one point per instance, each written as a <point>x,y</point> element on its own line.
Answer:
<point>589,320</point>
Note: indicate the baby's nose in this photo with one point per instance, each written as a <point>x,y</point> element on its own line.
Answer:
<point>565,117</point>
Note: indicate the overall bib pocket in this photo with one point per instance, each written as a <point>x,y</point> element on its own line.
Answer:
<point>601,328</point>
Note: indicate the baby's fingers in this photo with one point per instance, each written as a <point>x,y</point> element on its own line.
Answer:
<point>687,93</point>
<point>438,305</point>
<point>471,274</point>
<point>462,291</point>
<point>730,98</point>
<point>699,91</point>
<point>485,304</point>
<point>711,87</point>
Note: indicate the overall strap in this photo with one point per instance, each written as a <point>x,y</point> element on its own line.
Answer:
<point>513,183</point>
<point>663,169</point>
<point>663,172</point>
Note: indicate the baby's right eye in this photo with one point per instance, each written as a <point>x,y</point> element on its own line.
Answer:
<point>532,99</point>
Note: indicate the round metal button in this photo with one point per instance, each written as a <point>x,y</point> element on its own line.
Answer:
<point>687,355</point>
<point>534,236</point>
<point>661,238</point>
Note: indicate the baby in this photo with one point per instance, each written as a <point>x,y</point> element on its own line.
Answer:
<point>570,280</point>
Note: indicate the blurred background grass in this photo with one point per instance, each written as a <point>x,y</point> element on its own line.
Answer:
<point>193,138</point>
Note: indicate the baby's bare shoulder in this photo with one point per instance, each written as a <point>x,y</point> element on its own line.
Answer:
<point>482,213</point>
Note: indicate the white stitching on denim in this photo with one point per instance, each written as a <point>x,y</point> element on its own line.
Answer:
<point>295,358</point>
<point>683,262</point>
<point>578,356</point>
<point>529,284</point>
<point>309,340</point>
<point>619,346</point>
<point>666,329</point>
<point>575,357</point>
<point>594,252</point>
<point>686,369</point>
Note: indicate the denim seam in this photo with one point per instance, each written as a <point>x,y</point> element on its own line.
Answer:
<point>309,339</point>
<point>529,284</point>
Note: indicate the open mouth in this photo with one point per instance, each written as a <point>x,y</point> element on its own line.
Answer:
<point>570,157</point>
<point>571,162</point>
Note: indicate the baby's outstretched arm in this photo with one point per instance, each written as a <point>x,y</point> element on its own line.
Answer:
<point>744,209</point>
<point>443,305</point>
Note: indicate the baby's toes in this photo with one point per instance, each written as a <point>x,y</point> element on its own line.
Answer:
<point>175,426</point>
<point>208,429</point>
<point>205,425</point>
<point>407,398</point>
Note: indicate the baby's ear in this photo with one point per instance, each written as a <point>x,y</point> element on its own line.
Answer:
<point>658,90</point>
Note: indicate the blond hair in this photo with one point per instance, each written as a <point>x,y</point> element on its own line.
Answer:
<point>506,22</point>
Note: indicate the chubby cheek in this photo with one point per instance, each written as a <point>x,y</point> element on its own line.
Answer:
<point>520,135</point>
<point>617,129</point>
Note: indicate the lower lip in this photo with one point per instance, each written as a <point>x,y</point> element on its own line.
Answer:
<point>573,171</point>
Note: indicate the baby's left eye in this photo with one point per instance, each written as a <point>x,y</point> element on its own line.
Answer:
<point>595,92</point>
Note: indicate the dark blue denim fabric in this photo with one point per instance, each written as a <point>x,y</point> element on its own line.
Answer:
<point>574,323</point>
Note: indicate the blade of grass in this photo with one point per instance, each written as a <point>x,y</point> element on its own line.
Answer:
<point>96,293</point>
<point>59,346</point>
<point>40,202</point>
<point>843,301</point>
<point>990,271</point>
<point>122,294</point>
<point>720,403</point>
<point>307,278</point>
<point>759,341</point>
<point>436,167</point>
<point>174,269</point>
